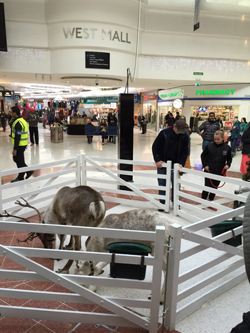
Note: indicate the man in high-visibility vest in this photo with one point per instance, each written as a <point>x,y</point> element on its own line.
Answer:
<point>19,139</point>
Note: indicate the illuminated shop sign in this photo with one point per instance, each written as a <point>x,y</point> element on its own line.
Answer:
<point>168,94</point>
<point>215,92</point>
<point>93,33</point>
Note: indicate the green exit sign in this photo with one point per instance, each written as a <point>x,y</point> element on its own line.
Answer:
<point>197,73</point>
<point>197,84</point>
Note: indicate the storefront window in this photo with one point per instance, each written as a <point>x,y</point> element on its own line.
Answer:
<point>226,113</point>
<point>163,111</point>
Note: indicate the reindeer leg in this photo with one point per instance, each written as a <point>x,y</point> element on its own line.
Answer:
<point>71,245</point>
<point>65,269</point>
<point>62,239</point>
<point>98,270</point>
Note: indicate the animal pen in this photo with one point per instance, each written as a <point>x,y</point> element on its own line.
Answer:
<point>187,287</point>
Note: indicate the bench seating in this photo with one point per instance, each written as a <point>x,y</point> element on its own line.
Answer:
<point>94,130</point>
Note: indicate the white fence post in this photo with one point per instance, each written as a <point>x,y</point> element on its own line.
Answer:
<point>1,194</point>
<point>172,276</point>
<point>156,279</point>
<point>176,187</point>
<point>168,185</point>
<point>83,170</point>
<point>78,170</point>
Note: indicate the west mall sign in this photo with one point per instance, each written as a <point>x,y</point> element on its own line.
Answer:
<point>86,33</point>
<point>215,92</point>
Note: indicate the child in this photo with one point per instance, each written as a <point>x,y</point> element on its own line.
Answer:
<point>215,157</point>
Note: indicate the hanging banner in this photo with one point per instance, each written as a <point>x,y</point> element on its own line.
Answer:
<point>197,15</point>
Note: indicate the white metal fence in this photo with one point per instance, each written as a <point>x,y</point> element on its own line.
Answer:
<point>213,266</point>
<point>103,175</point>
<point>122,316</point>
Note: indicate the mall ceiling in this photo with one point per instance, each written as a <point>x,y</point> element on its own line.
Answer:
<point>33,85</point>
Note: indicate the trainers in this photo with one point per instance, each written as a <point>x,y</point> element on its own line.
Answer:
<point>32,144</point>
<point>29,174</point>
<point>16,180</point>
<point>161,210</point>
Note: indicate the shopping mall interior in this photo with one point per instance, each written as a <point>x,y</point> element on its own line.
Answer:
<point>72,61</point>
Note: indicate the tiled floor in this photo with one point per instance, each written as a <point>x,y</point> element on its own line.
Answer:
<point>47,152</point>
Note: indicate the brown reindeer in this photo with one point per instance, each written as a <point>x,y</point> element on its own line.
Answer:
<point>137,219</point>
<point>78,206</point>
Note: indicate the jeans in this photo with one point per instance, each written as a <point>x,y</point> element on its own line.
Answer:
<point>205,143</point>
<point>162,182</point>
<point>233,145</point>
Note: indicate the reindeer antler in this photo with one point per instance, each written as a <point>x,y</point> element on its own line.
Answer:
<point>6,214</point>
<point>30,237</point>
<point>28,205</point>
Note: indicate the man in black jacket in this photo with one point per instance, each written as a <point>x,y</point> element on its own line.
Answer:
<point>207,129</point>
<point>171,144</point>
<point>3,117</point>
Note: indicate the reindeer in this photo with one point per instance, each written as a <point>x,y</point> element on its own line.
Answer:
<point>78,206</point>
<point>137,219</point>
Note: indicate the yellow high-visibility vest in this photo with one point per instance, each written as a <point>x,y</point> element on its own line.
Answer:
<point>24,132</point>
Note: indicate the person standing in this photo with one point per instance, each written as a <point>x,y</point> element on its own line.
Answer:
<point>207,129</point>
<point>144,124</point>
<point>171,120</point>
<point>171,144</point>
<point>235,134</point>
<point>33,120</point>
<point>139,122</point>
<point>3,117</point>
<point>177,115</point>
<point>89,137</point>
<point>188,131</point>
<point>215,157</point>
<point>20,142</point>
<point>44,115</point>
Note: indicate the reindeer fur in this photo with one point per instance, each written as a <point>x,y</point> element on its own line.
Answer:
<point>78,206</point>
<point>137,219</point>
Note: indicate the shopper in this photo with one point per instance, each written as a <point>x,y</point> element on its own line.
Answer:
<point>139,122</point>
<point>171,144</point>
<point>144,124</point>
<point>243,125</point>
<point>51,117</point>
<point>171,120</point>
<point>20,142</point>
<point>177,115</point>
<point>245,150</point>
<point>103,130</point>
<point>215,157</point>
<point>25,113</point>
<point>188,131</point>
<point>44,115</point>
<point>207,129</point>
<point>32,120</point>
<point>112,121</point>
<point>89,124</point>
<point>235,134</point>
<point>3,117</point>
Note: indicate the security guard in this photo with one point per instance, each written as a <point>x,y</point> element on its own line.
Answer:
<point>20,142</point>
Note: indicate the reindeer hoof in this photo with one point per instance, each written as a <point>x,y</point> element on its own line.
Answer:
<point>61,271</point>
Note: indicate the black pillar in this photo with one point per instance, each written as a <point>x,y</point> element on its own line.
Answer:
<point>126,134</point>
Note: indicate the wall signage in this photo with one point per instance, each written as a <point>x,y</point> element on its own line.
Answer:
<point>215,92</point>
<point>7,93</point>
<point>197,73</point>
<point>177,103</point>
<point>91,33</point>
<point>111,99</point>
<point>99,60</point>
<point>167,94</point>
<point>93,100</point>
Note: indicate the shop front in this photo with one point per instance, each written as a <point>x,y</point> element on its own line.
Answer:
<point>170,100</point>
<point>149,103</point>
<point>228,102</point>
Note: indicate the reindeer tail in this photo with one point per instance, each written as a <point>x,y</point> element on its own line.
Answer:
<point>97,209</point>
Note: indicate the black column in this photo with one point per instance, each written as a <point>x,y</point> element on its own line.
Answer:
<point>126,134</point>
